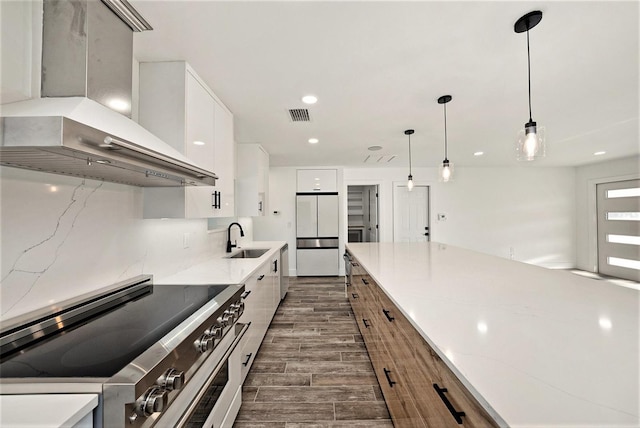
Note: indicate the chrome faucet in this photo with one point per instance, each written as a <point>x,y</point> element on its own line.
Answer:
<point>229,244</point>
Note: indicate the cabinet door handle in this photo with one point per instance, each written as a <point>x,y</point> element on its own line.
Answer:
<point>456,414</point>
<point>260,277</point>
<point>364,321</point>
<point>387,374</point>
<point>248,359</point>
<point>259,206</point>
<point>386,313</point>
<point>275,266</point>
<point>245,294</point>
<point>354,295</point>
<point>364,281</point>
<point>214,198</point>
<point>219,200</point>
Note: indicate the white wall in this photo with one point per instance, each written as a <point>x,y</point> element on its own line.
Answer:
<point>586,179</point>
<point>65,236</point>
<point>490,210</point>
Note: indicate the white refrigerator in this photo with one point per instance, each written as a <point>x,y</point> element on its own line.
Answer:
<point>317,230</point>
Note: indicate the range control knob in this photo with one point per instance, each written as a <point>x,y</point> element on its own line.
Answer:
<point>204,343</point>
<point>226,318</point>
<point>237,309</point>
<point>153,401</point>
<point>215,331</point>
<point>171,380</point>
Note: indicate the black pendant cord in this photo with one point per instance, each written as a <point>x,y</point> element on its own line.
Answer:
<point>409,154</point>
<point>529,75</point>
<point>445,132</point>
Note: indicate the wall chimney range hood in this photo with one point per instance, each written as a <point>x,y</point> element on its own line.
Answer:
<point>81,125</point>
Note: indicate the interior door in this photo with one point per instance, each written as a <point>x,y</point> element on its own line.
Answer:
<point>307,216</point>
<point>373,214</point>
<point>619,229</point>
<point>410,214</point>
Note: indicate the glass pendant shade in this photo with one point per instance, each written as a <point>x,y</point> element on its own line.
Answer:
<point>410,183</point>
<point>446,171</point>
<point>531,142</point>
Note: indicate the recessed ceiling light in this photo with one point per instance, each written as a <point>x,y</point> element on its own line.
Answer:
<point>478,153</point>
<point>599,153</point>
<point>375,148</point>
<point>309,99</point>
<point>199,143</point>
<point>313,140</point>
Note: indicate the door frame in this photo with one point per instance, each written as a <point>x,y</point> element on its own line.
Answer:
<point>429,186</point>
<point>345,217</point>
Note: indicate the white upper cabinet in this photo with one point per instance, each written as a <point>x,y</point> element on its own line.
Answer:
<point>179,108</point>
<point>317,180</point>
<point>252,180</point>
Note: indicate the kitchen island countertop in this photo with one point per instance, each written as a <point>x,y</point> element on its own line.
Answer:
<point>222,269</point>
<point>537,347</point>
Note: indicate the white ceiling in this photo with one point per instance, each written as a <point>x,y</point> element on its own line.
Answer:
<point>378,68</point>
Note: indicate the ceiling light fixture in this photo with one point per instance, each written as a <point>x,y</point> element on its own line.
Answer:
<point>410,178</point>
<point>531,144</point>
<point>478,153</point>
<point>599,153</point>
<point>198,143</point>
<point>309,99</point>
<point>313,140</point>
<point>446,170</point>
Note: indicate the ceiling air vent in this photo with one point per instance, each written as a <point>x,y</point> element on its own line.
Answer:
<point>299,115</point>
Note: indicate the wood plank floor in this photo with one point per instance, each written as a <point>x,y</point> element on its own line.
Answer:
<point>313,370</point>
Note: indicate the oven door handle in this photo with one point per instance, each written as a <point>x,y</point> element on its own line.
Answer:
<point>194,403</point>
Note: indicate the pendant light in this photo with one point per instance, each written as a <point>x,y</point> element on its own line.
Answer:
<point>531,143</point>
<point>446,170</point>
<point>410,178</point>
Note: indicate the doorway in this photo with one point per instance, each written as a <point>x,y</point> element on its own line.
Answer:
<point>410,214</point>
<point>362,210</point>
<point>618,207</point>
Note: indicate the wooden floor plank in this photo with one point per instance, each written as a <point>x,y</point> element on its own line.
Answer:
<point>313,370</point>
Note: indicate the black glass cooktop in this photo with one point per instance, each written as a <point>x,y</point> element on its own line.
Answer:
<point>106,344</point>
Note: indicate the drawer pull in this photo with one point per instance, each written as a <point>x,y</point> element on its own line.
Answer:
<point>260,277</point>
<point>386,373</point>
<point>364,321</point>
<point>389,317</point>
<point>365,282</point>
<point>248,359</point>
<point>354,295</point>
<point>456,415</point>
<point>245,294</point>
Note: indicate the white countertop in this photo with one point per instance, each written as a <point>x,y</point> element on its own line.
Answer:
<point>221,269</point>
<point>45,410</point>
<point>538,347</point>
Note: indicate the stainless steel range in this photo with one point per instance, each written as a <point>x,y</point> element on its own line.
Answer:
<point>164,355</point>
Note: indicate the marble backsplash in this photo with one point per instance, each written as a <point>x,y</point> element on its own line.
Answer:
<point>64,236</point>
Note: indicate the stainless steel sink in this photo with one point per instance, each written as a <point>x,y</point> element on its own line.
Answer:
<point>249,253</point>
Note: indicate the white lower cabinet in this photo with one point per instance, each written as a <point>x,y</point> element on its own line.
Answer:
<point>234,408</point>
<point>262,296</point>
